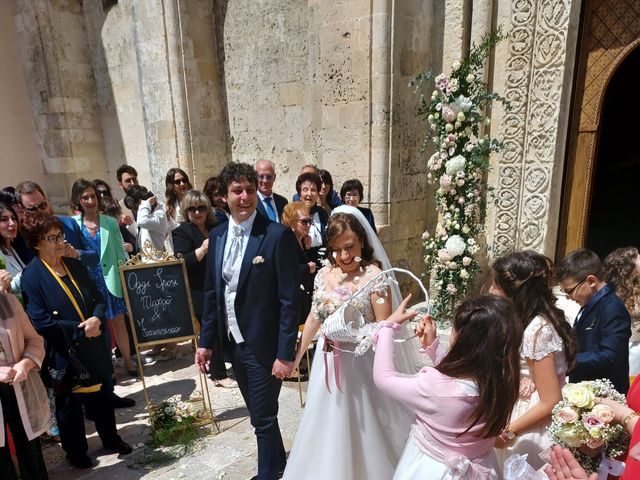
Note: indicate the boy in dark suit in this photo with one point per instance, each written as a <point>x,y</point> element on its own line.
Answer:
<point>603,325</point>
<point>251,296</point>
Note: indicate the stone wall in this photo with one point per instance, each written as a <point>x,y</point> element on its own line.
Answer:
<point>18,140</point>
<point>326,83</point>
<point>57,67</point>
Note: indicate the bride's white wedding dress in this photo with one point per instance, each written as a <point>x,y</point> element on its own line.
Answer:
<point>352,432</point>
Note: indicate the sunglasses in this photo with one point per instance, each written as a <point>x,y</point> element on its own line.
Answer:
<point>104,193</point>
<point>39,207</point>
<point>53,239</point>
<point>267,177</point>
<point>305,221</point>
<point>198,209</point>
<point>180,181</point>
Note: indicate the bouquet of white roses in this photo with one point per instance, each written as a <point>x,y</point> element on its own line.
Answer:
<point>587,428</point>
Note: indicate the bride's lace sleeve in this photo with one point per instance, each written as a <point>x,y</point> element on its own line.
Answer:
<point>380,286</point>
<point>540,340</point>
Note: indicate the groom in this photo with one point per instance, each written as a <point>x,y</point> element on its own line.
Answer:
<point>251,303</point>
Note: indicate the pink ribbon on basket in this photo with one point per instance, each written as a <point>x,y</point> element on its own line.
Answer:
<point>609,466</point>
<point>336,362</point>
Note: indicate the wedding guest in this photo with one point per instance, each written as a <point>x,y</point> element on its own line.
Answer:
<point>14,262</point>
<point>296,216</point>
<point>603,326</point>
<point>65,305</point>
<point>328,199</point>
<point>352,193</point>
<point>9,196</point>
<point>103,190</point>
<point>103,234</point>
<point>218,205</point>
<point>149,215</point>
<point>622,272</point>
<point>191,240</point>
<point>111,207</point>
<point>309,168</point>
<point>34,200</point>
<point>308,185</point>
<point>177,183</point>
<point>270,204</point>
<point>461,404</point>
<point>127,177</point>
<point>24,408</point>
<point>548,350</point>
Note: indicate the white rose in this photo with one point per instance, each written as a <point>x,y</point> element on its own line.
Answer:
<point>471,77</point>
<point>466,261</point>
<point>455,65</point>
<point>464,274</point>
<point>578,395</point>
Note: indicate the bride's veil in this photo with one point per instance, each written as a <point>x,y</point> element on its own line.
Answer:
<point>408,359</point>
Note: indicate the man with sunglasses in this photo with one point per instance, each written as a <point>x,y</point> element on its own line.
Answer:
<point>603,325</point>
<point>270,204</point>
<point>33,200</point>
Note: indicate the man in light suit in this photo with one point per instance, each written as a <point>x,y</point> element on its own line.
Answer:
<point>270,204</point>
<point>251,304</point>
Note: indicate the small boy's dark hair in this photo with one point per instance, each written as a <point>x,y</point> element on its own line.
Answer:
<point>579,264</point>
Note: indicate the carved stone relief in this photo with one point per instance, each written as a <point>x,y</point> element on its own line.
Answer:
<point>536,68</point>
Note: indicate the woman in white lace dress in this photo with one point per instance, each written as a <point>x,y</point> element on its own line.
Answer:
<point>548,350</point>
<point>348,430</point>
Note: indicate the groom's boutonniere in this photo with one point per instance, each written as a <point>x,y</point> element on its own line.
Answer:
<point>257,260</point>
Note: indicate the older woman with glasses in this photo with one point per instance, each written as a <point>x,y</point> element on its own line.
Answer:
<point>67,309</point>
<point>352,193</point>
<point>191,240</point>
<point>296,216</point>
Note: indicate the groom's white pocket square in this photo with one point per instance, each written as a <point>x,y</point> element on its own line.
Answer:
<point>257,260</point>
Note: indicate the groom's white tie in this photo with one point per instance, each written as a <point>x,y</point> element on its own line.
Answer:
<point>235,250</point>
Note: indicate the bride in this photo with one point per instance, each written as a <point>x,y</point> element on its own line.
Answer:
<point>348,429</point>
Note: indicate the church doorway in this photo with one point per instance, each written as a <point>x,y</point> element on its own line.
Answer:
<point>602,168</point>
<point>614,216</point>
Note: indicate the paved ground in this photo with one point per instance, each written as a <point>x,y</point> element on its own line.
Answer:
<point>229,455</point>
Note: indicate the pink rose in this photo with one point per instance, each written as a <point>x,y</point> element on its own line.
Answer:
<point>444,255</point>
<point>451,289</point>
<point>567,415</point>
<point>449,113</point>
<point>594,443</point>
<point>445,182</point>
<point>604,413</point>
<point>591,421</point>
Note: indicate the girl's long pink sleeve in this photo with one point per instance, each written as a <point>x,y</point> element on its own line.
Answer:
<point>408,389</point>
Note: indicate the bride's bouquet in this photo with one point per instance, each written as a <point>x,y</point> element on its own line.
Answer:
<point>587,428</point>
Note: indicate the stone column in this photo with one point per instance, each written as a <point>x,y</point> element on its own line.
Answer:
<point>57,66</point>
<point>456,32</point>
<point>161,89</point>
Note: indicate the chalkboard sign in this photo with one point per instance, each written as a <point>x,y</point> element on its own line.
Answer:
<point>159,301</point>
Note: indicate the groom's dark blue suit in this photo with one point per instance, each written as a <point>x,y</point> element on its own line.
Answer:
<point>266,308</point>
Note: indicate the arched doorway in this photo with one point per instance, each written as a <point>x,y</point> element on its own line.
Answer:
<point>610,32</point>
<point>614,217</point>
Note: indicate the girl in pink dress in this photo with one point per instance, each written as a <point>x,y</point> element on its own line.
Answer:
<point>462,403</point>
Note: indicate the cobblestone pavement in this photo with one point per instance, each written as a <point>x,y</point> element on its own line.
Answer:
<point>229,455</point>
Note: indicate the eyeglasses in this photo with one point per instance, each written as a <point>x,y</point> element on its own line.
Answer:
<point>39,207</point>
<point>198,209</point>
<point>267,177</point>
<point>104,193</point>
<point>179,181</point>
<point>569,293</point>
<point>53,239</point>
<point>305,221</point>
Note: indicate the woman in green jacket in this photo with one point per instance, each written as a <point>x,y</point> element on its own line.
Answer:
<point>103,234</point>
